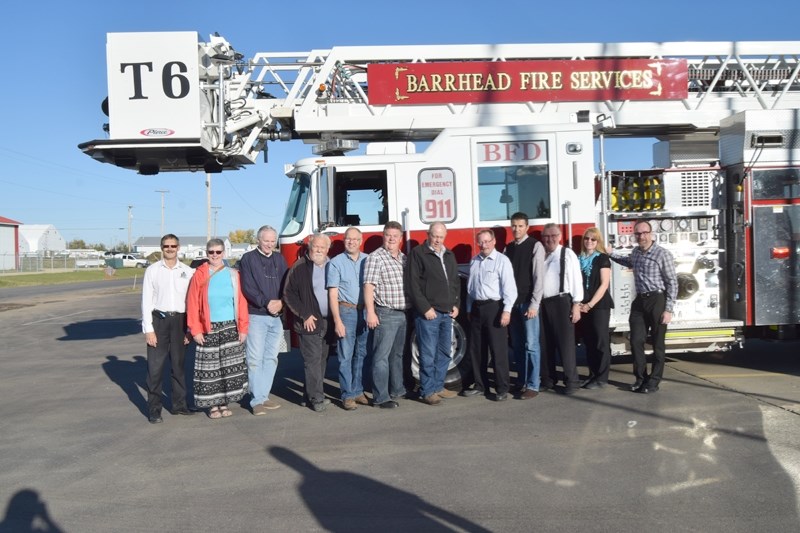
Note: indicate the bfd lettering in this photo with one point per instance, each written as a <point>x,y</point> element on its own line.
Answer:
<point>519,151</point>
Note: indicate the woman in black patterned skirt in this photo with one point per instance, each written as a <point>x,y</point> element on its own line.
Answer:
<point>216,313</point>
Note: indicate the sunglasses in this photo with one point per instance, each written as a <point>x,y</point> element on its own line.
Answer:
<point>168,246</point>
<point>590,239</point>
<point>214,252</point>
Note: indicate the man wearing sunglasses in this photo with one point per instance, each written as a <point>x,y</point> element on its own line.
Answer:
<point>164,326</point>
<point>656,290</point>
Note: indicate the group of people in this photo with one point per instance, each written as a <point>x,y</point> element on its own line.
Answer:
<point>534,295</point>
<point>233,316</point>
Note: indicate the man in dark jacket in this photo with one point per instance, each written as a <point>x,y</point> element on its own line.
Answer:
<point>434,290</point>
<point>262,273</point>
<point>307,298</point>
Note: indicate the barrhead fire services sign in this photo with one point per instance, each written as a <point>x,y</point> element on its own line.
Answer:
<point>527,81</point>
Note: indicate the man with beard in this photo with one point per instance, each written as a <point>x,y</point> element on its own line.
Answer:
<point>307,298</point>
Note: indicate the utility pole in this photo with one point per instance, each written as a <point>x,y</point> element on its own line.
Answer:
<point>162,191</point>
<point>216,209</point>
<point>130,217</point>
<point>208,206</point>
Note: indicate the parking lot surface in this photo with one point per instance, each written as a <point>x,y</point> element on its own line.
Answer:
<point>714,450</point>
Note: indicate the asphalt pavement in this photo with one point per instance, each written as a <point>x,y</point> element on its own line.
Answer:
<point>714,450</point>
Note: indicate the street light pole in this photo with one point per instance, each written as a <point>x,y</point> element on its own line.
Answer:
<point>130,216</point>
<point>162,191</point>
<point>216,209</point>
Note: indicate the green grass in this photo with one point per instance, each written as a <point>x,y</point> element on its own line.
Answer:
<point>54,278</point>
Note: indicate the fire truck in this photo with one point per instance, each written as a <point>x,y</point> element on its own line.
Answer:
<point>469,134</point>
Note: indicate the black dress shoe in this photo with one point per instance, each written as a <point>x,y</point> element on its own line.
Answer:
<point>647,389</point>
<point>546,387</point>
<point>569,391</point>
<point>637,385</point>
<point>155,418</point>
<point>182,411</point>
<point>391,404</point>
<point>471,392</point>
<point>503,396</point>
<point>591,384</point>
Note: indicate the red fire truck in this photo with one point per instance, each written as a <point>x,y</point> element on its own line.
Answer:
<point>468,135</point>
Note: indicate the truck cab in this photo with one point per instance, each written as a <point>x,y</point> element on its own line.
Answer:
<point>469,179</point>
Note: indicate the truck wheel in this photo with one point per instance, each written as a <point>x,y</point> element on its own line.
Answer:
<point>460,366</point>
<point>139,265</point>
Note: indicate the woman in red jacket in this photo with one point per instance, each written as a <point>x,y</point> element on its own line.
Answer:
<point>216,314</point>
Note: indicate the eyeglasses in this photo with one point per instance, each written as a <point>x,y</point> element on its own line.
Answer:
<point>640,233</point>
<point>214,252</point>
<point>587,238</point>
<point>168,246</point>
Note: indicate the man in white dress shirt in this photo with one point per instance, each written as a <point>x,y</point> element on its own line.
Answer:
<point>561,298</point>
<point>164,326</point>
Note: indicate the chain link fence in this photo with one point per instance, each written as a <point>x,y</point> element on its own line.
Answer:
<point>44,262</point>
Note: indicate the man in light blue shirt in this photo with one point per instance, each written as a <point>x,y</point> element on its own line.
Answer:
<point>491,293</point>
<point>346,303</point>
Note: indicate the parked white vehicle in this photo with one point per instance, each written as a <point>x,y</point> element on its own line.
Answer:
<point>129,260</point>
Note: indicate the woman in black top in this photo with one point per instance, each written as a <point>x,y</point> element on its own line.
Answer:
<point>596,307</point>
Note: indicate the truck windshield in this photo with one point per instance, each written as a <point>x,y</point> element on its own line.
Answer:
<point>296,207</point>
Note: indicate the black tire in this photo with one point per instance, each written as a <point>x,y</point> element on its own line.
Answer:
<point>460,367</point>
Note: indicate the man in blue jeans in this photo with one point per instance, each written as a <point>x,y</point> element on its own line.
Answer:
<point>262,273</point>
<point>346,305</point>
<point>386,304</point>
<point>527,260</point>
<point>434,290</point>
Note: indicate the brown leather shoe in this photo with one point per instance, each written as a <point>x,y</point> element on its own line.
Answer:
<point>528,394</point>
<point>269,404</point>
<point>445,394</point>
<point>349,404</point>
<point>433,399</point>
<point>361,400</point>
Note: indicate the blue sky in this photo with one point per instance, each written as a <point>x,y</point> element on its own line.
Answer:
<point>55,78</point>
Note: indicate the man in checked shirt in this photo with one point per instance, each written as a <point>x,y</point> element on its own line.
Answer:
<point>386,304</point>
<point>656,289</point>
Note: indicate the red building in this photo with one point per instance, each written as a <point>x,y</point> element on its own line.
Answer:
<point>9,244</point>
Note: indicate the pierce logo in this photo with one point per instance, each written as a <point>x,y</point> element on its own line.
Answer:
<point>157,132</point>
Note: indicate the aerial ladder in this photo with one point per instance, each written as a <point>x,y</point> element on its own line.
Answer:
<point>325,97</point>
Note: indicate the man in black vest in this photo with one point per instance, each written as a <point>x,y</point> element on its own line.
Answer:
<point>527,259</point>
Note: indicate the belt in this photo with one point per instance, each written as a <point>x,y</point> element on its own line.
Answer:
<point>390,308</point>
<point>555,296</point>
<point>351,306</point>
<point>649,294</point>
<point>485,302</point>
<point>166,313</point>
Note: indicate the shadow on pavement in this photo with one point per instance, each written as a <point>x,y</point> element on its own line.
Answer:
<point>27,513</point>
<point>768,356</point>
<point>102,328</point>
<point>343,501</point>
<point>130,376</point>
